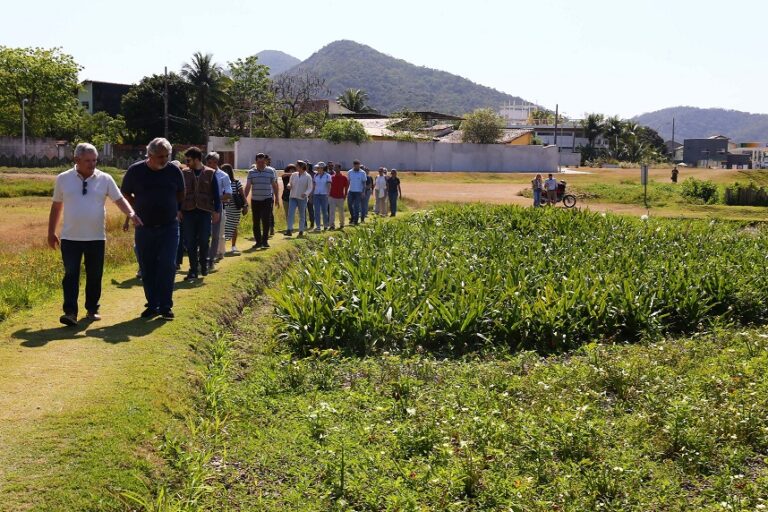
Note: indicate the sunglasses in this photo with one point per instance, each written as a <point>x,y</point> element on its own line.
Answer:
<point>85,187</point>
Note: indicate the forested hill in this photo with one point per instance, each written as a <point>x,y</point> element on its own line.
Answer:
<point>394,84</point>
<point>277,61</point>
<point>692,123</point>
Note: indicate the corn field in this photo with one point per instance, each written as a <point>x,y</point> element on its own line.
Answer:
<point>459,278</point>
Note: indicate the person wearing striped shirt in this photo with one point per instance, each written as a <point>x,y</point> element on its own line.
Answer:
<point>261,183</point>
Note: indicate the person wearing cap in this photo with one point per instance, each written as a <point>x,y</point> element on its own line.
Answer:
<point>393,191</point>
<point>337,196</point>
<point>380,192</point>
<point>262,185</point>
<point>301,188</point>
<point>358,181</point>
<point>322,186</point>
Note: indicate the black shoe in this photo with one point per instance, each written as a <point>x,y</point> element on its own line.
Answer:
<point>167,314</point>
<point>191,276</point>
<point>301,234</point>
<point>265,245</point>
<point>203,271</point>
<point>256,245</point>
<point>288,233</point>
<point>70,319</point>
<point>272,231</point>
<point>149,313</point>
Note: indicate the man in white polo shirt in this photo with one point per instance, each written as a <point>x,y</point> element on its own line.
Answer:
<point>81,193</point>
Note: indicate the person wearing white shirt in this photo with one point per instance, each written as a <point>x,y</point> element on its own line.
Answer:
<point>322,186</point>
<point>380,193</point>
<point>301,188</point>
<point>550,185</point>
<point>218,244</point>
<point>358,180</point>
<point>80,193</point>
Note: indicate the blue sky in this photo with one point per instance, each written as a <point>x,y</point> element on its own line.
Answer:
<point>609,56</point>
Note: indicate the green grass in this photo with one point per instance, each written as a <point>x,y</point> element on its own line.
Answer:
<point>677,424</point>
<point>15,182</point>
<point>456,279</point>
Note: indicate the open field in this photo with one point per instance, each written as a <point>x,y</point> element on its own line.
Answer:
<point>298,421</point>
<point>227,408</point>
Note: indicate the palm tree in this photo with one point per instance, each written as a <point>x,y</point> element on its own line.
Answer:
<point>355,100</point>
<point>593,127</point>
<point>210,85</point>
<point>613,129</point>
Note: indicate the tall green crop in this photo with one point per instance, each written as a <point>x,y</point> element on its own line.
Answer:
<point>545,279</point>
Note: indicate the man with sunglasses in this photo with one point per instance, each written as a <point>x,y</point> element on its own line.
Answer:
<point>80,193</point>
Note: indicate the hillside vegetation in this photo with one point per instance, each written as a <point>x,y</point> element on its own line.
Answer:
<point>691,123</point>
<point>394,84</point>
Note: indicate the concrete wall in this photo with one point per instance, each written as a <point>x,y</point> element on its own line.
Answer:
<point>412,156</point>
<point>36,148</point>
<point>569,159</point>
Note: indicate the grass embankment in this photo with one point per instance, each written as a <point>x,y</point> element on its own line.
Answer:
<point>84,433</point>
<point>663,424</point>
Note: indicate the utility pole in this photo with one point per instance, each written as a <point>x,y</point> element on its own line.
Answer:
<point>24,129</point>
<point>557,114</point>
<point>165,103</point>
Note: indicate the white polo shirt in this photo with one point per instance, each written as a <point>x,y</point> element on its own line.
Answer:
<point>84,214</point>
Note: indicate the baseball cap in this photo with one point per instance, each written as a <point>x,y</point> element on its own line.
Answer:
<point>320,165</point>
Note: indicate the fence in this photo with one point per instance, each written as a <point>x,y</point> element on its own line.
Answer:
<point>412,156</point>
<point>750,195</point>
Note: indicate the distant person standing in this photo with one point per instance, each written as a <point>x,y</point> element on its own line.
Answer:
<point>321,188</point>
<point>393,191</point>
<point>235,209</point>
<point>675,174</point>
<point>301,188</point>
<point>537,185</point>
<point>262,185</point>
<point>357,184</point>
<point>155,188</point>
<point>551,187</point>
<point>380,192</point>
<point>218,245</point>
<point>337,197</point>
<point>200,210</point>
<point>80,193</point>
<point>285,196</point>
<point>367,193</point>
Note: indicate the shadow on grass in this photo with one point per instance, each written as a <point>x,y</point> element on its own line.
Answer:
<point>117,333</point>
<point>127,284</point>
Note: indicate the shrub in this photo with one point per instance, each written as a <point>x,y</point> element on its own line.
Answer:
<point>695,190</point>
<point>344,130</point>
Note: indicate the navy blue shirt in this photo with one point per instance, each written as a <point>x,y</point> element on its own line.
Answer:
<point>154,192</point>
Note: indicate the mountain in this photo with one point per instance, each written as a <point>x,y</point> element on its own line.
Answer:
<point>277,61</point>
<point>394,84</point>
<point>694,123</point>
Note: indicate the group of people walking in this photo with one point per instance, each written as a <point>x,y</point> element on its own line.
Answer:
<point>195,207</point>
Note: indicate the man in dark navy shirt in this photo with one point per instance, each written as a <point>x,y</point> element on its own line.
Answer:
<point>155,188</point>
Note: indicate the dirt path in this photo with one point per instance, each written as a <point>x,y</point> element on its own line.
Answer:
<point>52,377</point>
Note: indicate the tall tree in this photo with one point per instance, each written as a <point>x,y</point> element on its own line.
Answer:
<point>210,87</point>
<point>355,100</point>
<point>483,126</point>
<point>288,108</point>
<point>249,88</point>
<point>142,108</point>
<point>47,79</point>
<point>593,127</point>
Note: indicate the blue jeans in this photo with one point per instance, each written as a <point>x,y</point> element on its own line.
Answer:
<point>321,210</point>
<point>301,204</point>
<point>197,238</point>
<point>73,252</point>
<point>366,200</point>
<point>355,205</point>
<point>536,197</point>
<point>157,246</point>
<point>393,204</point>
